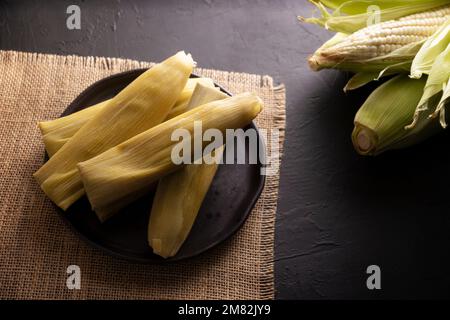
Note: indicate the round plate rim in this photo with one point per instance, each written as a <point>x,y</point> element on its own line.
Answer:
<point>72,107</point>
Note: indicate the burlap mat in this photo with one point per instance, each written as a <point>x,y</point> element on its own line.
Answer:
<point>36,246</point>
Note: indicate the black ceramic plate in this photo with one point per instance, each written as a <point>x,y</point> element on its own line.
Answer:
<point>227,204</point>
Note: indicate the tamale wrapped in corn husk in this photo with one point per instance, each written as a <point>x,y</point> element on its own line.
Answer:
<point>118,176</point>
<point>57,132</point>
<point>180,194</point>
<point>143,104</point>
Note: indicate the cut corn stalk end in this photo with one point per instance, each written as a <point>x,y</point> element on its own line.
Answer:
<point>364,140</point>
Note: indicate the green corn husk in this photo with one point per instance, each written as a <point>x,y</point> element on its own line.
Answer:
<point>360,6</point>
<point>433,59</point>
<point>431,49</point>
<point>55,133</point>
<point>180,194</point>
<point>143,104</point>
<point>351,16</point>
<point>362,78</point>
<point>119,175</point>
<point>381,120</point>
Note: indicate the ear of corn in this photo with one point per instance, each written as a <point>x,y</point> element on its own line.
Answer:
<point>180,194</point>
<point>333,41</point>
<point>380,38</point>
<point>115,177</point>
<point>387,45</point>
<point>57,132</point>
<point>351,16</point>
<point>143,104</point>
<point>380,122</point>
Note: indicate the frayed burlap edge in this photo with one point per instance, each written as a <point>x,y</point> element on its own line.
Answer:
<point>279,118</point>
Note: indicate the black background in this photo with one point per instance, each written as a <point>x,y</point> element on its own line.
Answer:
<point>338,212</point>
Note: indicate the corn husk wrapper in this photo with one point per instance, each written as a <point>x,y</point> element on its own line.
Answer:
<point>350,16</point>
<point>120,175</point>
<point>180,194</point>
<point>141,105</point>
<point>55,133</point>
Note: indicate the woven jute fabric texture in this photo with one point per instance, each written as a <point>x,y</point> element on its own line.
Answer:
<point>36,247</point>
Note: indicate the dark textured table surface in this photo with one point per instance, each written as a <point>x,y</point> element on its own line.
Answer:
<point>337,212</point>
